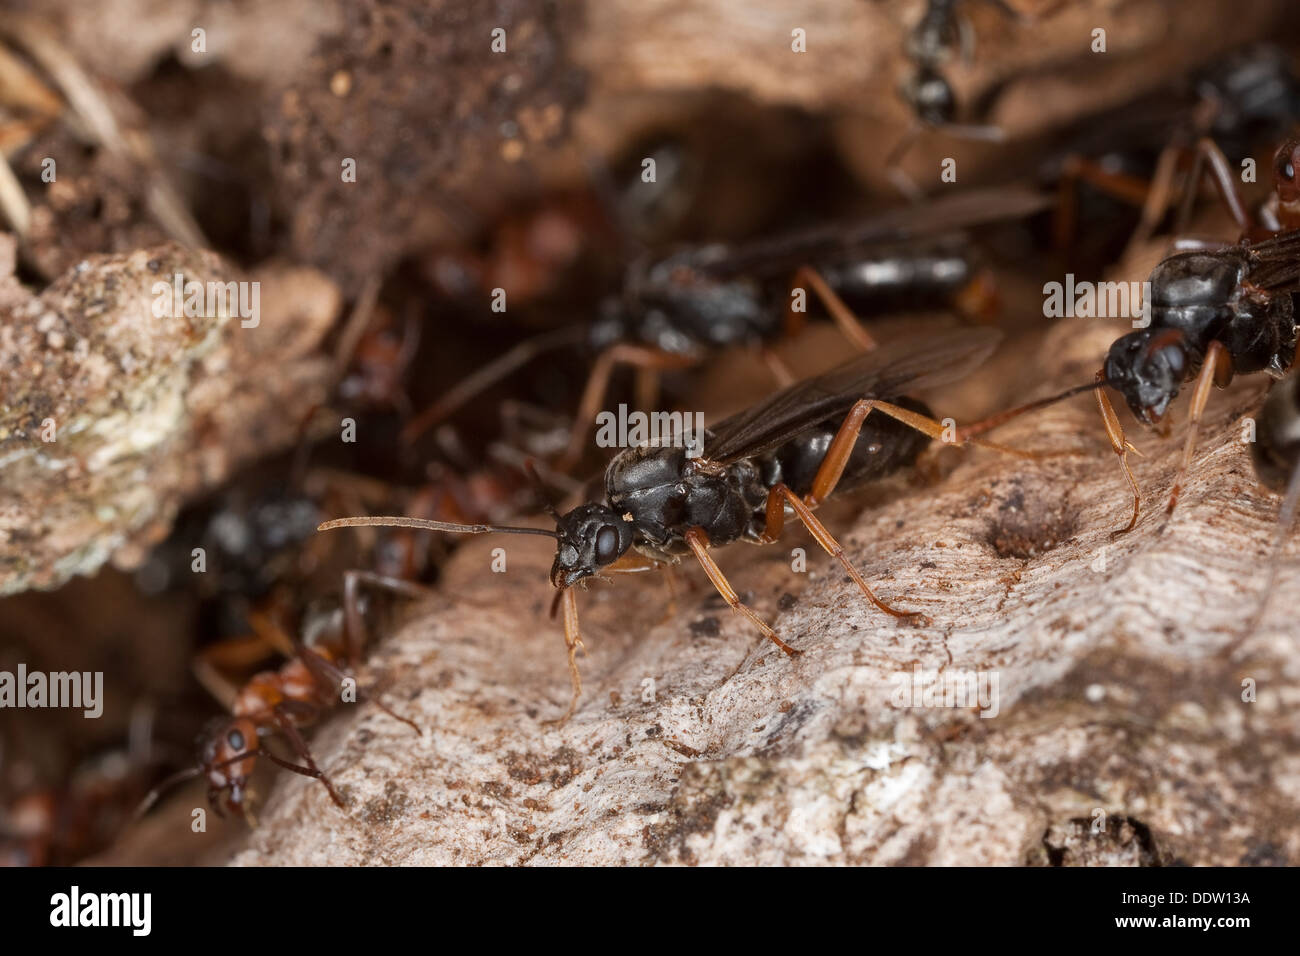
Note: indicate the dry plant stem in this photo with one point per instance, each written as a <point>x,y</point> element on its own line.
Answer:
<point>101,125</point>
<point>356,325</point>
<point>13,201</point>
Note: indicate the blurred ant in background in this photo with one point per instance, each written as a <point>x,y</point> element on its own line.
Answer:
<point>58,825</point>
<point>1150,154</point>
<point>941,31</point>
<point>277,703</point>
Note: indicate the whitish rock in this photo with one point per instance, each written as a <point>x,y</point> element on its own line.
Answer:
<point>113,410</point>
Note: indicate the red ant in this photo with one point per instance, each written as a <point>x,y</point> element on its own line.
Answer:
<point>280,702</point>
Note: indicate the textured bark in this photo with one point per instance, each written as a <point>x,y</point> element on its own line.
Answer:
<point>112,417</point>
<point>1121,701</point>
<point>1123,731</point>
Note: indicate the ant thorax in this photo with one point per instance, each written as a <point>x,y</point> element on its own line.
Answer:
<point>1196,292</point>
<point>666,493</point>
<point>1207,296</point>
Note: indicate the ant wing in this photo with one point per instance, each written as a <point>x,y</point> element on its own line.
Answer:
<point>887,372</point>
<point>1276,263</point>
<point>786,252</point>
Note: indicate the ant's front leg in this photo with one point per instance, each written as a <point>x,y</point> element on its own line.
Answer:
<point>697,539</point>
<point>573,644</point>
<point>1121,446</point>
<point>286,726</point>
<point>1217,368</point>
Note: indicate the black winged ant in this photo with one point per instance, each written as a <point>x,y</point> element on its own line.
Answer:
<point>277,703</point>
<point>782,456</point>
<point>672,311</point>
<point>1215,312</point>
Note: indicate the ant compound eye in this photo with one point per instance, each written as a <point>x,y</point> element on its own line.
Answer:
<point>1173,358</point>
<point>1284,171</point>
<point>1285,165</point>
<point>606,544</point>
<point>236,740</point>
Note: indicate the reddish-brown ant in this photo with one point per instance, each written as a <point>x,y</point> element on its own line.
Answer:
<point>280,702</point>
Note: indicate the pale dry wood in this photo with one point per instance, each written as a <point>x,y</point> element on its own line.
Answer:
<point>696,742</point>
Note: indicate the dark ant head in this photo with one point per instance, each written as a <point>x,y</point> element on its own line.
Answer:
<point>931,97</point>
<point>1148,367</point>
<point>228,755</point>
<point>1276,449</point>
<point>590,537</point>
<point>1285,180</point>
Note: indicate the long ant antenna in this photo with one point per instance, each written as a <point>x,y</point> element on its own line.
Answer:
<point>993,421</point>
<point>152,796</point>
<point>424,524</point>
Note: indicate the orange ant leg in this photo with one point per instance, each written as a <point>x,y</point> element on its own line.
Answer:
<point>698,541</point>
<point>848,323</point>
<point>1209,161</point>
<point>1206,154</point>
<point>1217,369</point>
<point>1080,169</point>
<point>777,499</point>
<point>781,373</point>
<point>1121,447</point>
<point>573,644</point>
<point>841,446</point>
